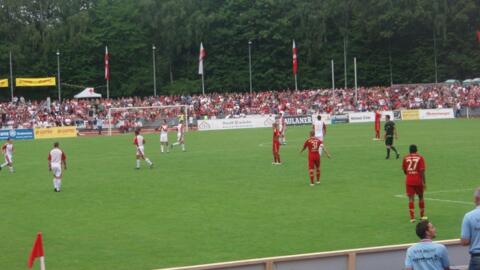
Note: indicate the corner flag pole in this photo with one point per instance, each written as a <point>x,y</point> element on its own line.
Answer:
<point>37,252</point>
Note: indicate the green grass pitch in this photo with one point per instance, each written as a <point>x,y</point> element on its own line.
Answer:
<point>223,200</point>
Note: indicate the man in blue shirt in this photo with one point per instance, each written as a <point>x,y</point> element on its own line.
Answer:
<point>427,255</point>
<point>471,233</point>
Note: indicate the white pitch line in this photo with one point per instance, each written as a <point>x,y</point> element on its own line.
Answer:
<point>449,191</point>
<point>438,200</point>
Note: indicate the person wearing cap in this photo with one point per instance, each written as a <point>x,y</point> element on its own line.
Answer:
<point>426,255</point>
<point>471,232</point>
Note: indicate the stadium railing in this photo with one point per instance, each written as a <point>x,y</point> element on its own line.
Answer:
<point>381,257</point>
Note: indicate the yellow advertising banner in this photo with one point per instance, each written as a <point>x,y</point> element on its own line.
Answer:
<point>29,82</point>
<point>4,83</point>
<point>55,132</point>
<point>410,115</point>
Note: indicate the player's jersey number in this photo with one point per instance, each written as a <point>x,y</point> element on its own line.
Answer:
<point>412,163</point>
<point>315,144</point>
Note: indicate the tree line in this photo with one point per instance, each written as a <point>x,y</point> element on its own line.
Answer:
<point>394,41</point>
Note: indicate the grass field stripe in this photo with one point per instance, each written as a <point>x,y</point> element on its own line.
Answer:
<point>439,200</point>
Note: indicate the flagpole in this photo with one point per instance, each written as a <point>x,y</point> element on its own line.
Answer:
<point>201,70</point>
<point>296,87</point>
<point>295,63</point>
<point>107,70</point>
<point>42,263</point>
<point>58,75</point>
<point>203,85</point>
<point>250,63</point>
<point>11,76</point>
<point>333,78</point>
<point>435,55</point>
<point>356,89</point>
<point>345,59</point>
<point>154,72</point>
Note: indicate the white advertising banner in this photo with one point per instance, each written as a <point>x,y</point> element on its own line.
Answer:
<point>362,117</point>
<point>236,123</point>
<point>437,114</point>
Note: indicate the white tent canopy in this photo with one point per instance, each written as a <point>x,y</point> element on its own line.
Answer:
<point>88,93</point>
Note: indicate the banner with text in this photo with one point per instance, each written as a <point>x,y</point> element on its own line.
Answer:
<point>340,119</point>
<point>31,82</point>
<point>437,114</point>
<point>362,117</point>
<point>16,134</point>
<point>236,123</point>
<point>55,132</point>
<point>410,115</point>
<point>3,83</point>
<point>297,120</point>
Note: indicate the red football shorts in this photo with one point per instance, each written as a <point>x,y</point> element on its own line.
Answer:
<point>276,147</point>
<point>412,190</point>
<point>313,161</point>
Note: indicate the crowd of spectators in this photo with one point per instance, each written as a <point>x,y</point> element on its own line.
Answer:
<point>20,113</point>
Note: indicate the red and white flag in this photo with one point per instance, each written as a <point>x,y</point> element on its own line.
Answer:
<point>200,59</point>
<point>295,63</point>
<point>107,65</point>
<point>37,252</point>
<point>478,36</point>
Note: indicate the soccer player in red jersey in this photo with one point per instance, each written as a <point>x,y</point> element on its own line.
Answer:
<point>378,116</point>
<point>314,146</point>
<point>414,168</point>
<point>276,144</point>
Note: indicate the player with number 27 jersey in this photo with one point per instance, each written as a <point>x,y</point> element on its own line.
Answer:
<point>413,167</point>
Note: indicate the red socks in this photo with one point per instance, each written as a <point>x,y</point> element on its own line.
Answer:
<point>412,210</point>
<point>421,205</point>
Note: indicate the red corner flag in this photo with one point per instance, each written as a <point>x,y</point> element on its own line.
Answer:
<point>478,36</point>
<point>37,251</point>
<point>295,64</point>
<point>107,65</point>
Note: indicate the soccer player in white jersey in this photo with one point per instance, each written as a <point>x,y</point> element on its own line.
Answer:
<point>164,136</point>
<point>319,127</point>
<point>180,136</point>
<point>7,150</point>
<point>282,126</point>
<point>139,142</point>
<point>57,158</point>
